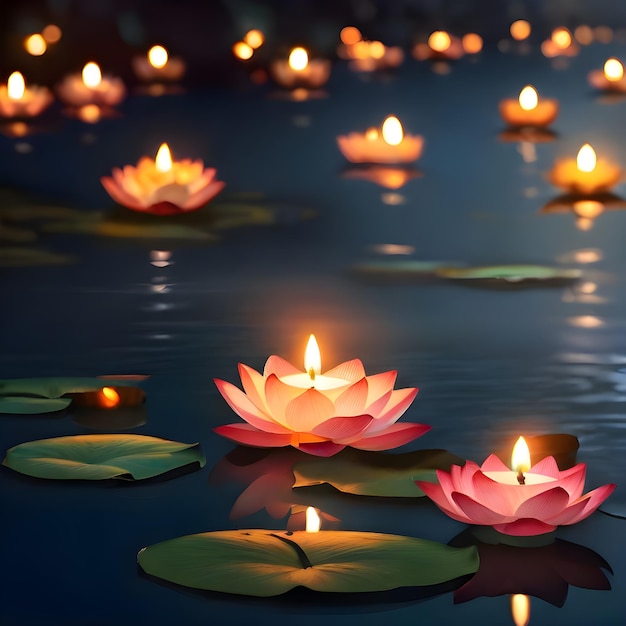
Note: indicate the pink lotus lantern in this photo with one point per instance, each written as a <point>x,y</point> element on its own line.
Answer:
<point>298,71</point>
<point>91,87</point>
<point>157,65</point>
<point>18,100</point>
<point>320,414</point>
<point>162,186</point>
<point>524,502</point>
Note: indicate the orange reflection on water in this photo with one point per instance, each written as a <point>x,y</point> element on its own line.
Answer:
<point>394,249</point>
<point>585,321</point>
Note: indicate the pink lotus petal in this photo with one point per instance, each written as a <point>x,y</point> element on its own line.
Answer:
<point>543,505</point>
<point>352,400</point>
<point>570,515</point>
<point>442,499</point>
<point>547,467</point>
<point>380,384</point>
<point>525,528</point>
<point>573,481</point>
<point>478,513</point>
<point>241,404</point>
<point>204,196</point>
<point>253,385</point>
<point>493,463</point>
<point>278,395</point>
<point>350,370</point>
<point>250,436</point>
<point>594,499</point>
<point>200,179</point>
<point>376,408</point>
<point>501,498</point>
<point>323,448</point>
<point>280,367</point>
<point>394,436</point>
<point>308,410</point>
<point>260,492</point>
<point>343,428</point>
<point>462,477</point>
<point>399,402</point>
<point>119,195</point>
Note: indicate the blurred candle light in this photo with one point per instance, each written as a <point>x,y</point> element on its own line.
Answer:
<point>520,30</point>
<point>439,41</point>
<point>610,78</point>
<point>243,51</point>
<point>91,87</point>
<point>298,59</point>
<point>390,146</point>
<point>254,38</point>
<point>560,43</point>
<point>35,45</point>
<point>586,159</point>
<point>520,609</point>
<point>92,76</point>
<point>350,35</point>
<point>157,66</point>
<point>472,43</point>
<point>440,46</point>
<point>313,521</point>
<point>298,71</point>
<point>529,110</point>
<point>51,33</point>
<point>17,100</point>
<point>157,56</point>
<point>583,35</point>
<point>16,86</point>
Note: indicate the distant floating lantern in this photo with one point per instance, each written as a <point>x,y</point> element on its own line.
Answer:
<point>472,43</point>
<point>441,46</point>
<point>298,71</point>
<point>35,45</point>
<point>560,43</point>
<point>520,30</point>
<point>17,100</point>
<point>528,110</point>
<point>91,87</point>
<point>158,66</point>
<point>610,78</point>
<point>371,56</point>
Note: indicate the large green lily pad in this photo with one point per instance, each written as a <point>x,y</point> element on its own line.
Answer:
<point>511,274</point>
<point>99,457</point>
<point>20,405</point>
<point>375,473</point>
<point>399,269</point>
<point>266,563</point>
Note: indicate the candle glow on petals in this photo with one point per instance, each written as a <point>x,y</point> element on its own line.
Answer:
<point>312,358</point>
<point>92,76</point>
<point>520,609</point>
<point>439,41</point>
<point>16,86</point>
<point>528,98</point>
<point>163,160</point>
<point>313,521</point>
<point>586,159</point>
<point>298,59</point>
<point>520,459</point>
<point>392,131</point>
<point>613,70</point>
<point>158,57</point>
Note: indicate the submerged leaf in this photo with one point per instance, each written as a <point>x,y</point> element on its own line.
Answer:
<point>375,473</point>
<point>98,457</point>
<point>265,563</point>
<point>511,274</point>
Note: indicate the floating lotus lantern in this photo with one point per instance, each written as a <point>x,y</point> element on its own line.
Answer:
<point>441,46</point>
<point>90,87</point>
<point>158,66</point>
<point>524,501</point>
<point>610,77</point>
<point>298,71</point>
<point>560,43</point>
<point>318,413</point>
<point>586,174</point>
<point>18,100</point>
<point>367,56</point>
<point>529,110</point>
<point>162,186</point>
<point>388,146</point>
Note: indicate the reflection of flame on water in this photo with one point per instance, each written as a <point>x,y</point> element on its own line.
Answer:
<point>520,609</point>
<point>89,113</point>
<point>393,249</point>
<point>392,198</point>
<point>108,398</point>
<point>160,258</point>
<point>585,321</point>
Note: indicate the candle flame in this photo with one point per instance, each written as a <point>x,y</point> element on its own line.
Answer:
<point>439,41</point>
<point>613,70</point>
<point>298,59</point>
<point>528,98</point>
<point>163,160</point>
<point>35,45</point>
<point>254,38</point>
<point>520,30</point>
<point>520,459</point>
<point>312,358</point>
<point>520,609</point>
<point>243,51</point>
<point>158,57</point>
<point>392,131</point>
<point>109,398</point>
<point>16,86</point>
<point>92,76</point>
<point>313,521</point>
<point>586,159</point>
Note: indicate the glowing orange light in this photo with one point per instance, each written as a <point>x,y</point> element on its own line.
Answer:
<point>16,86</point>
<point>603,34</point>
<point>298,59</point>
<point>520,30</point>
<point>586,159</point>
<point>613,70</point>
<point>35,45</point>
<point>312,358</point>
<point>51,33</point>
<point>583,35</point>
<point>350,35</point>
<point>588,208</point>
<point>92,76</point>
<point>520,459</point>
<point>109,398</point>
<point>313,521</point>
<point>472,43</point>
<point>254,38</point>
<point>528,98</point>
<point>243,51</point>
<point>90,113</point>
<point>371,134</point>
<point>439,41</point>
<point>586,321</point>
<point>392,131</point>
<point>562,37</point>
<point>158,57</point>
<point>520,609</point>
<point>163,160</point>
<point>377,49</point>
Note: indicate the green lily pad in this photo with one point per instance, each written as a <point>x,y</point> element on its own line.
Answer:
<point>31,257</point>
<point>18,405</point>
<point>511,274</point>
<point>375,473</point>
<point>265,563</point>
<point>99,457</point>
<point>399,269</point>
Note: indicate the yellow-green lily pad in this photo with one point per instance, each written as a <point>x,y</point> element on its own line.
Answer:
<point>100,457</point>
<point>511,274</point>
<point>21,405</point>
<point>268,563</point>
<point>375,473</point>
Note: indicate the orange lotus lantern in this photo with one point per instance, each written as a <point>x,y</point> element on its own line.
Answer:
<point>528,110</point>
<point>18,100</point>
<point>585,175</point>
<point>91,87</point>
<point>318,413</point>
<point>560,43</point>
<point>610,78</point>
<point>440,46</point>
<point>158,66</point>
<point>163,186</point>
<point>299,71</point>
<point>390,145</point>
